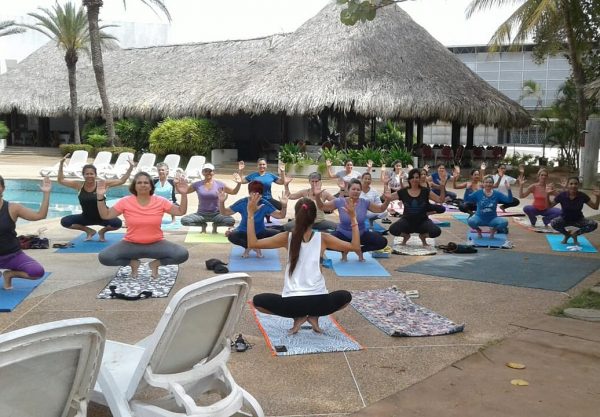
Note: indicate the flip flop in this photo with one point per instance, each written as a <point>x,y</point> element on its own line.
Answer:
<point>63,245</point>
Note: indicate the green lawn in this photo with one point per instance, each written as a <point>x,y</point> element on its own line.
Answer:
<point>585,299</point>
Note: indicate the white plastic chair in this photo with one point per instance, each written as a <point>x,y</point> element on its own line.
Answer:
<point>71,168</point>
<point>48,369</point>
<point>145,164</point>
<point>101,162</point>
<point>183,358</point>
<point>121,165</point>
<point>193,170</point>
<point>172,160</point>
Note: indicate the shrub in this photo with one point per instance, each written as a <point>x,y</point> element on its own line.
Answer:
<point>96,140</point>
<point>93,127</point>
<point>3,130</point>
<point>389,135</point>
<point>397,152</point>
<point>185,137</point>
<point>134,133</point>
<point>336,156</point>
<point>70,148</point>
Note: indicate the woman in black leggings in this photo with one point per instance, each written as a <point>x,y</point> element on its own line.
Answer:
<point>304,297</point>
<point>415,199</point>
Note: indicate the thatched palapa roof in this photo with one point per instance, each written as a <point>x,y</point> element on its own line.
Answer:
<point>390,67</point>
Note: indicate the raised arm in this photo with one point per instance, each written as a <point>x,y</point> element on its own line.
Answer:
<point>105,212</point>
<point>380,208</point>
<point>323,205</point>
<point>281,171</point>
<point>280,240</point>
<point>226,211</point>
<point>181,186</point>
<point>332,242</point>
<point>442,187</point>
<point>28,214</point>
<point>596,204</point>
<point>124,177</point>
<point>455,176</point>
<point>330,169</point>
<point>241,166</point>
<point>281,214</point>
<point>61,175</point>
<point>238,184</point>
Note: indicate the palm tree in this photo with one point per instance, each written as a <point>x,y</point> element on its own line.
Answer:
<point>533,90</point>
<point>68,27</point>
<point>552,20</point>
<point>93,12</point>
<point>8,27</point>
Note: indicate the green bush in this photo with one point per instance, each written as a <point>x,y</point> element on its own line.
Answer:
<point>97,141</point>
<point>93,127</point>
<point>389,135</point>
<point>397,152</point>
<point>185,137</point>
<point>3,130</point>
<point>336,156</point>
<point>116,150</point>
<point>134,133</point>
<point>65,149</point>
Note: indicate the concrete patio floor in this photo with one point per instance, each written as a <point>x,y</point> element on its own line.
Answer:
<point>332,384</point>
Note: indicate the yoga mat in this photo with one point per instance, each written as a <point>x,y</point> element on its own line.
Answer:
<point>498,241</point>
<point>396,315</point>
<point>461,217</point>
<point>275,331</point>
<point>129,286</point>
<point>584,245</point>
<point>548,272</point>
<point>440,223</point>
<point>450,207</point>
<point>538,228</point>
<point>194,236</point>
<point>269,261</point>
<point>353,268</point>
<point>414,246</point>
<point>80,245</point>
<point>10,299</point>
<point>167,225</point>
<point>376,227</point>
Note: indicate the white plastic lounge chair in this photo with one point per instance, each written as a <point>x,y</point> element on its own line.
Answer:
<point>71,168</point>
<point>172,160</point>
<point>193,170</point>
<point>121,165</point>
<point>145,164</point>
<point>185,357</point>
<point>101,162</point>
<point>48,370</point>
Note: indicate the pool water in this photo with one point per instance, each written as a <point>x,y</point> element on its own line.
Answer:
<point>63,200</point>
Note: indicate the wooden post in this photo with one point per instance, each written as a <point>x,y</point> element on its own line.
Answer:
<point>455,141</point>
<point>361,130</point>
<point>419,132</point>
<point>470,136</point>
<point>409,129</point>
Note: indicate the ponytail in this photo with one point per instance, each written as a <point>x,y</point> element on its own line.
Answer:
<point>306,212</point>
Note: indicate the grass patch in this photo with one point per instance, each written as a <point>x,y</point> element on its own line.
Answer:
<point>585,299</point>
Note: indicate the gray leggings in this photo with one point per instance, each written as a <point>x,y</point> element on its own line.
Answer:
<point>121,253</point>
<point>203,217</point>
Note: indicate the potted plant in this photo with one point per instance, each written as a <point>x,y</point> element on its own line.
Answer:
<point>3,134</point>
<point>224,150</point>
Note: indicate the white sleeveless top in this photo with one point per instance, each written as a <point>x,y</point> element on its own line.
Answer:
<point>307,278</point>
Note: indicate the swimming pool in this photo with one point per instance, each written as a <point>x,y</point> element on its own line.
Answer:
<point>63,200</point>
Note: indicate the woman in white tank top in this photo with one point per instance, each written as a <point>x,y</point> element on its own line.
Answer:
<point>305,296</point>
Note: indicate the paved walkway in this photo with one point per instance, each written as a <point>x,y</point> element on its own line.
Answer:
<point>335,384</point>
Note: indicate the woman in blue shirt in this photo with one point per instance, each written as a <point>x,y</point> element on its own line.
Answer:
<point>238,236</point>
<point>487,200</point>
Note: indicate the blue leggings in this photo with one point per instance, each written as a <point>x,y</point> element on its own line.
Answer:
<point>497,223</point>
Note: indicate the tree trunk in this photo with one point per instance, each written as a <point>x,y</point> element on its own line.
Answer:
<point>71,60</point>
<point>93,11</point>
<point>578,74</point>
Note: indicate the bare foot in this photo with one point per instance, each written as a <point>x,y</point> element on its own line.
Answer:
<point>258,253</point>
<point>575,241</point>
<point>479,234</point>
<point>424,240</point>
<point>492,233</point>
<point>173,219</point>
<point>203,229</point>
<point>314,322</point>
<point>344,257</point>
<point>154,268</point>
<point>90,234</point>
<point>298,322</point>
<point>7,280</point>
<point>214,230</point>
<point>405,239</point>
<point>101,234</point>
<point>246,253</point>
<point>361,257</point>
<point>135,265</point>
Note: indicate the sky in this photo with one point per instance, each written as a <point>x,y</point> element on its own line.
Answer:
<point>210,20</point>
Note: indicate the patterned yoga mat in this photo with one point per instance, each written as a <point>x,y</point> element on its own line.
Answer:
<point>395,314</point>
<point>132,287</point>
<point>275,331</point>
<point>538,228</point>
<point>414,246</point>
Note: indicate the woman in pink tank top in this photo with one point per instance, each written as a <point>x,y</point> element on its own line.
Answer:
<point>540,202</point>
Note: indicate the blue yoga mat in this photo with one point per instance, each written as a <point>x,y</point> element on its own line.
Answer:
<point>461,217</point>
<point>275,332</point>
<point>583,246</point>
<point>80,245</point>
<point>532,270</point>
<point>10,299</point>
<point>166,224</point>
<point>441,223</point>
<point>269,261</point>
<point>485,241</point>
<point>370,268</point>
<point>377,228</point>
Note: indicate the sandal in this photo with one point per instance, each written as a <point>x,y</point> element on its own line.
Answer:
<point>63,245</point>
